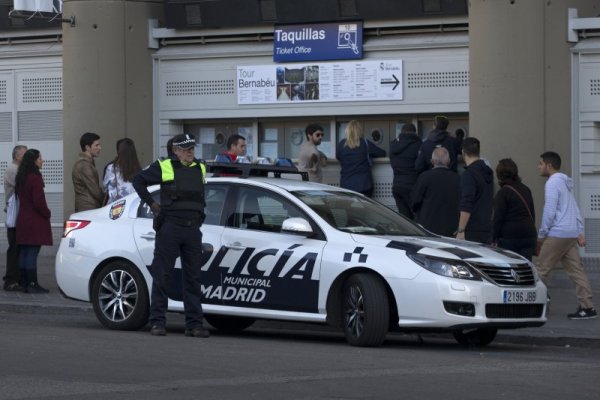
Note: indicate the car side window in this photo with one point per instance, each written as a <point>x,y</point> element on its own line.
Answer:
<point>144,210</point>
<point>214,196</point>
<point>259,210</point>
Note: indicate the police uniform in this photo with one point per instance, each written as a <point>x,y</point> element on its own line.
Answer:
<point>178,233</point>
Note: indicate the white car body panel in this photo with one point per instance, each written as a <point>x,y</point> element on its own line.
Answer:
<point>299,271</point>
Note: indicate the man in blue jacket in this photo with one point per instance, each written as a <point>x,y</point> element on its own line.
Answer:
<point>560,233</point>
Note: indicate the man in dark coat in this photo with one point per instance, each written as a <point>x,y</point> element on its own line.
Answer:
<point>435,197</point>
<point>438,137</point>
<point>476,196</point>
<point>403,153</point>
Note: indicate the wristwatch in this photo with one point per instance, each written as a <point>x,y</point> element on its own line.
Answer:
<point>460,230</point>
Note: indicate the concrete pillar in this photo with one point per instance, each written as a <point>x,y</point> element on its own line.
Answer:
<point>107,76</point>
<point>520,81</point>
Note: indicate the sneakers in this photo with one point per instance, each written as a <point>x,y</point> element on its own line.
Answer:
<point>583,313</point>
<point>198,331</point>
<point>12,287</point>
<point>158,330</point>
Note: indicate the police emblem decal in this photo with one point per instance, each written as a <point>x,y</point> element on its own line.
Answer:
<point>116,210</point>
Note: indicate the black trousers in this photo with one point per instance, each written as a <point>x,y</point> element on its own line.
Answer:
<point>402,197</point>
<point>12,257</point>
<point>174,241</point>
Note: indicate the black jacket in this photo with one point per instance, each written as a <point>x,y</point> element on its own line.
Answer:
<point>435,200</point>
<point>403,153</point>
<point>153,174</point>
<point>477,196</point>
<point>355,171</point>
<point>436,138</point>
<point>514,216</point>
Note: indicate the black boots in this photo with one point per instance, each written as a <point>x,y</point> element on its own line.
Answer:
<point>29,282</point>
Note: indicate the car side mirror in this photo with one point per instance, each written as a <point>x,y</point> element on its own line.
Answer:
<point>296,226</point>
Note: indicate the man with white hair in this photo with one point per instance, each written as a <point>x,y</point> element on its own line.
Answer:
<point>435,197</point>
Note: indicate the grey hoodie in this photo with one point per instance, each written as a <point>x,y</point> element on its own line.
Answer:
<point>561,217</point>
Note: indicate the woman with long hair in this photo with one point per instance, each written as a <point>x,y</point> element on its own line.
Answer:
<point>513,225</point>
<point>354,153</point>
<point>119,173</point>
<point>33,219</point>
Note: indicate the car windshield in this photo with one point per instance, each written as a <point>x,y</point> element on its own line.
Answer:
<point>354,213</point>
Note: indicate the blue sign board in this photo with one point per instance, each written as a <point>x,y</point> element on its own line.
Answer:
<point>330,41</point>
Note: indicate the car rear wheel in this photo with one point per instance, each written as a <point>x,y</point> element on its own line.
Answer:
<point>475,337</point>
<point>120,296</point>
<point>226,323</point>
<point>366,310</point>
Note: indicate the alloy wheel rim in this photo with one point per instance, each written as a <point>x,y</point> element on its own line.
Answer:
<point>118,295</point>
<point>355,312</point>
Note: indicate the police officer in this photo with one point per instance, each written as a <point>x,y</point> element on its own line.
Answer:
<point>177,223</point>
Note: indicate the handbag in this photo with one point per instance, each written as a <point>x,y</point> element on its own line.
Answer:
<point>12,210</point>
<point>106,195</point>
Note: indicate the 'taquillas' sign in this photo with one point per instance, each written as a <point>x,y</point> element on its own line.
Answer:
<point>331,41</point>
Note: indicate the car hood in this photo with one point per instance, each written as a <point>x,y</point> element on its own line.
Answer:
<point>443,247</point>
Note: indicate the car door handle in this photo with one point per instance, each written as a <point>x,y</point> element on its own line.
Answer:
<point>235,246</point>
<point>149,236</point>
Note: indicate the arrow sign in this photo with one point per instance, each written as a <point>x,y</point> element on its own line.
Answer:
<point>389,81</point>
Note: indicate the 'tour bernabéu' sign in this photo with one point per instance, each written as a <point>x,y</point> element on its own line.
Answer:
<point>328,41</point>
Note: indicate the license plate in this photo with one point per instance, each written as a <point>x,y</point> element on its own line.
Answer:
<point>519,296</point>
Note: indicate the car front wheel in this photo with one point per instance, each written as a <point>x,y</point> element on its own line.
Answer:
<point>366,310</point>
<point>475,337</point>
<point>120,296</point>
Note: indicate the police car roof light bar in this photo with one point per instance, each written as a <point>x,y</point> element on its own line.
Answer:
<point>248,170</point>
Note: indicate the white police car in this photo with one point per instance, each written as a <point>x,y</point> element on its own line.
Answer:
<point>292,250</point>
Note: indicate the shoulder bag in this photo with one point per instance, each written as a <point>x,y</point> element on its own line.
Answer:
<point>12,210</point>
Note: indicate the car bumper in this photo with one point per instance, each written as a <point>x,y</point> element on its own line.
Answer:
<point>438,311</point>
<point>73,272</point>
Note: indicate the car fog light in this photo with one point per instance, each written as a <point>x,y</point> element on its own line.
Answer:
<point>464,309</point>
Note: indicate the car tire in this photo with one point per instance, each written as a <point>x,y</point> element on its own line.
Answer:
<point>478,337</point>
<point>226,323</point>
<point>365,309</point>
<point>120,296</point>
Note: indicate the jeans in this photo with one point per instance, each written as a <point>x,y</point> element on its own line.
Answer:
<point>28,257</point>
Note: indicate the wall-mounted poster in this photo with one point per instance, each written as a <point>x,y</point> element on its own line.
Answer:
<point>340,81</point>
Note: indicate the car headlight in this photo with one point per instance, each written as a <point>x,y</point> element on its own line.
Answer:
<point>450,268</point>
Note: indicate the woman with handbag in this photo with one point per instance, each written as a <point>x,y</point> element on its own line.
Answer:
<point>33,219</point>
<point>119,173</point>
<point>514,214</point>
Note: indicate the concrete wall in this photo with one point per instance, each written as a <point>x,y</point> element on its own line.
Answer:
<point>520,94</point>
<point>107,75</point>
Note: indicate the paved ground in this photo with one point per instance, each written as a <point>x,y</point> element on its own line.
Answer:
<point>557,331</point>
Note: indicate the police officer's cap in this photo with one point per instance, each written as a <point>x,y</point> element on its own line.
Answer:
<point>184,141</point>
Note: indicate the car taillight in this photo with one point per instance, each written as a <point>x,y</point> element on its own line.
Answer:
<point>74,224</point>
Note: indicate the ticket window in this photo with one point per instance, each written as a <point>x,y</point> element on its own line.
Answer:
<point>380,132</point>
<point>212,138</point>
<point>284,139</point>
